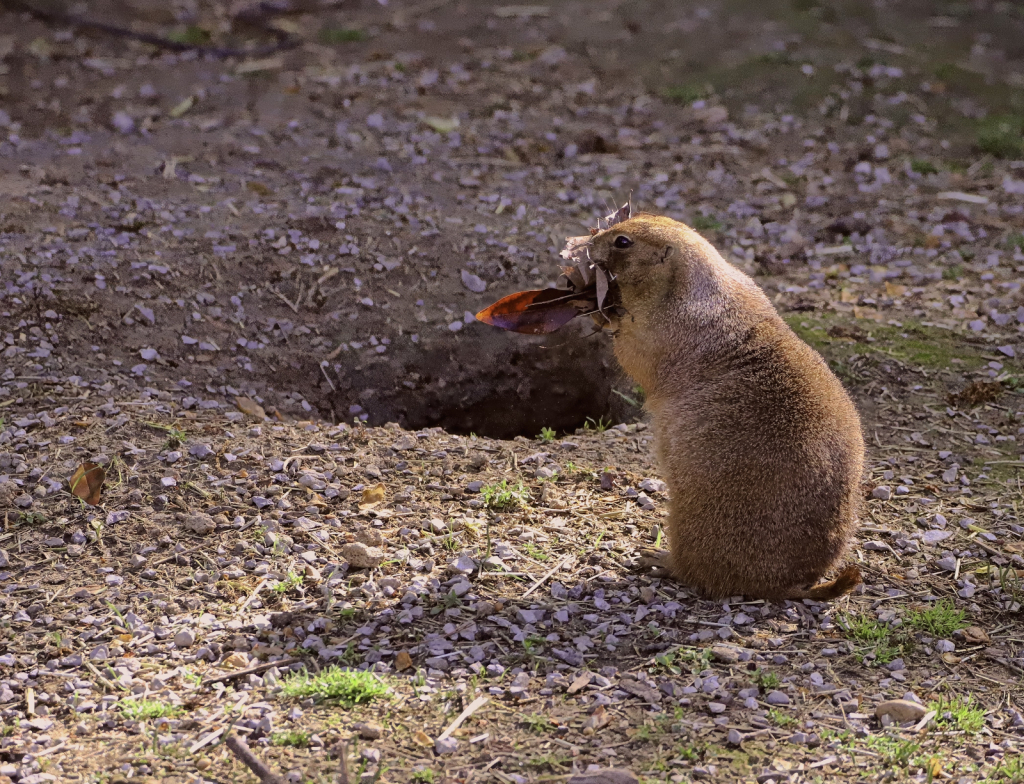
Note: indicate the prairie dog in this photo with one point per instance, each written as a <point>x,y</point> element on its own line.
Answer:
<point>759,443</point>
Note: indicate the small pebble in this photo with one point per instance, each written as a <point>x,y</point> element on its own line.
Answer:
<point>444,746</point>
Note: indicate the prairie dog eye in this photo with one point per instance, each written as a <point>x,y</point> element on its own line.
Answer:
<point>622,241</point>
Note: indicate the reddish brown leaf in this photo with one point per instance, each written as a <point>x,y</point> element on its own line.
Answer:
<point>532,312</point>
<point>87,482</point>
<point>583,288</point>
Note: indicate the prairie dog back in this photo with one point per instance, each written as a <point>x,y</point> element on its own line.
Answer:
<point>759,443</point>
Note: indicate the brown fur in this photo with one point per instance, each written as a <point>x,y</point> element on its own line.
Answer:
<point>758,442</point>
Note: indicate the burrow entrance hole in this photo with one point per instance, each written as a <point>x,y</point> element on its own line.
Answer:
<point>498,386</point>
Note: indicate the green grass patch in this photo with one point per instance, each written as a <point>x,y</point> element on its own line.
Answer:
<point>876,641</point>
<point>1001,136</point>
<point>954,272</point>
<point>193,35</point>
<point>140,710</point>
<point>958,713</point>
<point>923,167</point>
<point>939,620</point>
<point>298,738</point>
<point>706,223</point>
<point>535,723</point>
<point>913,344</point>
<point>879,643</point>
<point>781,719</point>
<point>501,496</point>
<point>1010,770</point>
<point>347,687</point>
<point>894,752</point>
<point>292,580</point>
<point>686,93</point>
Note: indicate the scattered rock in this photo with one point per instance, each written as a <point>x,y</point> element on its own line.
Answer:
<point>473,282</point>
<point>368,730</point>
<point>463,564</point>
<point>444,746</point>
<point>900,711</point>
<point>725,654</point>
<point>370,537</point>
<point>653,486</point>
<point>405,442</point>
<point>361,556</point>
<point>200,523</point>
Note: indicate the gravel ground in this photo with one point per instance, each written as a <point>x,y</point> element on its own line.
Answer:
<point>244,287</point>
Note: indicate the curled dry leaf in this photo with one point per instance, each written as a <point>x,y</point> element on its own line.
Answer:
<point>372,496</point>
<point>87,482</point>
<point>250,407</point>
<point>422,739</point>
<point>975,635</point>
<point>582,681</point>
<point>236,661</point>
<point>534,312</point>
<point>583,288</point>
<point>403,661</point>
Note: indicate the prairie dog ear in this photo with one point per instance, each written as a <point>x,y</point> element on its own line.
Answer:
<point>667,253</point>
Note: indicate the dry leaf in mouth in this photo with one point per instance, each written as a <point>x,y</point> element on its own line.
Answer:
<point>584,288</point>
<point>534,312</point>
<point>87,483</point>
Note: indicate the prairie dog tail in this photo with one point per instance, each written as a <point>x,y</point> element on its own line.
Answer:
<point>847,580</point>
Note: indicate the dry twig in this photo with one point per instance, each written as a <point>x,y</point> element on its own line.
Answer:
<point>241,750</point>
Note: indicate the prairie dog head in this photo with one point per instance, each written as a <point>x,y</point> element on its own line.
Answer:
<point>655,259</point>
